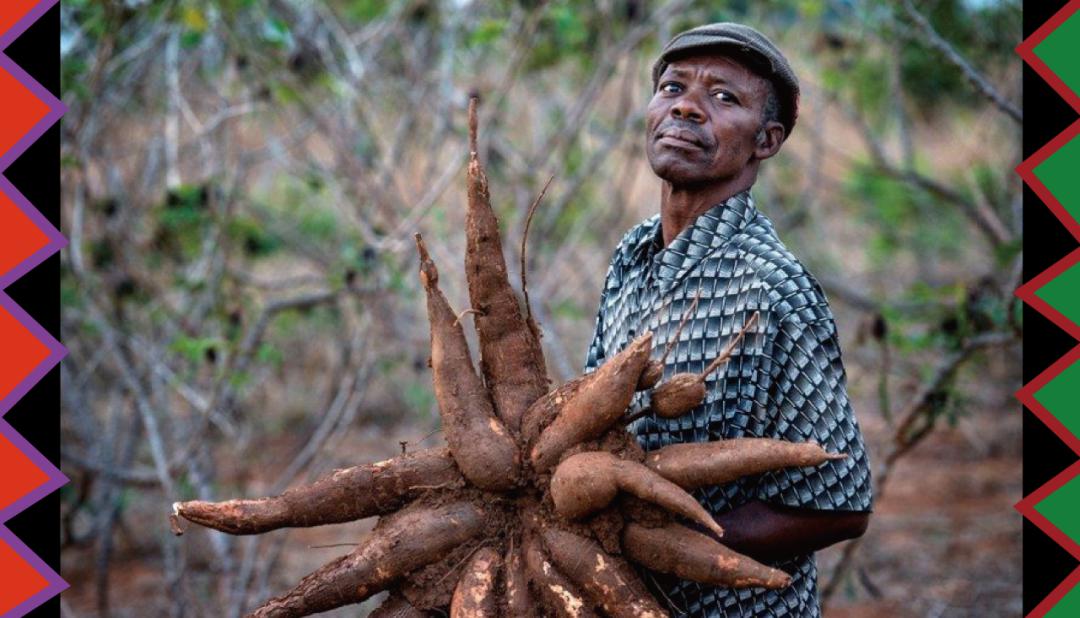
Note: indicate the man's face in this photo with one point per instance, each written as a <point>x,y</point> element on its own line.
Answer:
<point>704,124</point>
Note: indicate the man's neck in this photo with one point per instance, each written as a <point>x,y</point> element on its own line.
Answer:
<point>680,206</point>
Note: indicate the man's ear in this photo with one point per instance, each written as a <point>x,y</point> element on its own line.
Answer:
<point>770,138</point>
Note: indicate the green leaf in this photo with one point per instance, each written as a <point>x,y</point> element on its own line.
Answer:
<point>190,39</point>
<point>570,28</point>
<point>399,279</point>
<point>811,9</point>
<point>255,239</point>
<point>366,10</point>
<point>1005,253</point>
<point>284,93</point>
<point>318,224</point>
<point>70,297</point>
<point>832,79</point>
<point>487,32</point>
<point>195,348</point>
<point>276,32</point>
<point>418,396</point>
<point>193,19</point>
<point>286,323</point>
<point>569,310</point>
<point>239,379</point>
<point>268,354</point>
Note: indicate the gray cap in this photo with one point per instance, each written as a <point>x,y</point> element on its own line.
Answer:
<point>748,46</point>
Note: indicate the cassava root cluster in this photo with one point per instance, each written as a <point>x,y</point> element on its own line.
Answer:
<point>542,499</point>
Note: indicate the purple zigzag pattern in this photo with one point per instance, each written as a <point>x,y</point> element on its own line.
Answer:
<point>56,351</point>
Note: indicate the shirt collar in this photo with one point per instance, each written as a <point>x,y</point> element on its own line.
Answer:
<point>709,232</point>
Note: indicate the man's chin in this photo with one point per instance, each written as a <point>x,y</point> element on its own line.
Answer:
<point>677,172</point>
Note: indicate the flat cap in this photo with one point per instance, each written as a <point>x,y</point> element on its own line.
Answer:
<point>746,45</point>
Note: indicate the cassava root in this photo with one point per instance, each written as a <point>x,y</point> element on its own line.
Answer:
<point>482,447</point>
<point>552,586</point>
<point>399,544</point>
<point>689,554</point>
<point>587,482</point>
<point>345,495</point>
<point>713,463</point>
<point>599,401</point>
<point>474,596</point>
<point>511,359</point>
<point>609,582</point>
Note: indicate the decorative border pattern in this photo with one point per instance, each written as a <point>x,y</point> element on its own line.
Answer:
<point>29,352</point>
<point>1067,592</point>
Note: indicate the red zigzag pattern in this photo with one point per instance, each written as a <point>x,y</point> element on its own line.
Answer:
<point>1026,292</point>
<point>27,351</point>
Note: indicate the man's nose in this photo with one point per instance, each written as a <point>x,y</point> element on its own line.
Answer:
<point>687,108</point>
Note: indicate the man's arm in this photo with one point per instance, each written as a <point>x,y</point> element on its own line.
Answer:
<point>797,511</point>
<point>769,533</point>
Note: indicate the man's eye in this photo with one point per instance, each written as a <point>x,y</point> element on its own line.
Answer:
<point>670,87</point>
<point>725,96</point>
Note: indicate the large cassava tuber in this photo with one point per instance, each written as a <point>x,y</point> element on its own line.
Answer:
<point>510,355</point>
<point>480,443</point>
<point>521,515</point>
<point>598,402</point>
<point>587,482</point>
<point>686,553</point>
<point>345,495</point>
<point>476,595</point>
<point>608,582</point>
<point>519,600</point>
<point>400,544</point>
<point>713,463</point>
<point>557,593</point>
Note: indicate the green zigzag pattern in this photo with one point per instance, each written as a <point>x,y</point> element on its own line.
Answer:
<point>1060,396</point>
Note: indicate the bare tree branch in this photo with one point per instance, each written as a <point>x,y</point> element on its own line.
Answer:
<point>977,80</point>
<point>919,408</point>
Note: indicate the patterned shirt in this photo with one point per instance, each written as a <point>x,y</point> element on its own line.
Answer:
<point>785,380</point>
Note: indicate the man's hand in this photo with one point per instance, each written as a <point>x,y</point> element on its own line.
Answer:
<point>769,533</point>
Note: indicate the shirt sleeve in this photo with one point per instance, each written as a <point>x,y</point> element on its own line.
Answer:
<point>596,355</point>
<point>808,401</point>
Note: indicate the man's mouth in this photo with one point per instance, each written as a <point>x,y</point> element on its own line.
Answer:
<point>679,138</point>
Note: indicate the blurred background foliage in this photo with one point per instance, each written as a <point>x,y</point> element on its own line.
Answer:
<point>242,179</point>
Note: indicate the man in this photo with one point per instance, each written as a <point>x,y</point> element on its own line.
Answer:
<point>725,99</point>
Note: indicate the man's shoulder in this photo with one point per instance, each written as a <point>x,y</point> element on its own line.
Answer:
<point>793,290</point>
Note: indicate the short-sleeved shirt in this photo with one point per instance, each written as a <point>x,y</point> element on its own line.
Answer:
<point>785,380</point>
